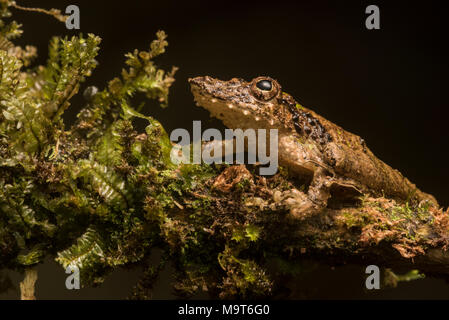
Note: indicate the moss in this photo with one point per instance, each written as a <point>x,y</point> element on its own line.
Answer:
<point>244,277</point>
<point>358,219</point>
<point>392,279</point>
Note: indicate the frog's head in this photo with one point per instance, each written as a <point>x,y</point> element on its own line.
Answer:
<point>241,104</point>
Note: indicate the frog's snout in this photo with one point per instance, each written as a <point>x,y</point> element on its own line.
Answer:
<point>195,81</point>
<point>201,81</point>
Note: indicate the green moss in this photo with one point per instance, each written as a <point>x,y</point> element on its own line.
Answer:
<point>392,279</point>
<point>80,192</point>
<point>358,219</point>
<point>244,278</point>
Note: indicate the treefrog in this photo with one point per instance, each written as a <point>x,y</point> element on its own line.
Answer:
<point>335,165</point>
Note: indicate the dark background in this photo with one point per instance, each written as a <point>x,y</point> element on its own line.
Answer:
<point>388,86</point>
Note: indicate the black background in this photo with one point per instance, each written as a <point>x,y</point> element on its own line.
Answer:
<point>388,86</point>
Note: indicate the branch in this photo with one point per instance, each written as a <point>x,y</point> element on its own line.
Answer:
<point>52,12</point>
<point>27,286</point>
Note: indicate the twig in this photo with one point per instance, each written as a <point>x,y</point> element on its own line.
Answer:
<point>53,12</point>
<point>27,285</point>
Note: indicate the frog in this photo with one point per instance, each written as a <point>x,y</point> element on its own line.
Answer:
<point>336,166</point>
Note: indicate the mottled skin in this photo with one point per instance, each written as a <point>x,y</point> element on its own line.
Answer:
<point>337,163</point>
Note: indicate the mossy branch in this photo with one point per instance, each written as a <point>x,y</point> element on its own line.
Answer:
<point>101,194</point>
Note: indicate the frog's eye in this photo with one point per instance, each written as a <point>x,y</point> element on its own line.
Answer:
<point>264,85</point>
<point>264,88</point>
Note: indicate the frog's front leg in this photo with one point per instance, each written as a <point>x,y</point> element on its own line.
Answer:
<point>217,150</point>
<point>228,150</point>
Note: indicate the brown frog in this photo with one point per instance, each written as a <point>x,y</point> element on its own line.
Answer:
<point>336,163</point>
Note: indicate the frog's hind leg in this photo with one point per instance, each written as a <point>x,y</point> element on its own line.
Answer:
<point>315,200</point>
<point>326,192</point>
<point>334,193</point>
<point>319,191</point>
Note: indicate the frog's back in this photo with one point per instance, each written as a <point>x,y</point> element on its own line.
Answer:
<point>338,134</point>
<point>348,154</point>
